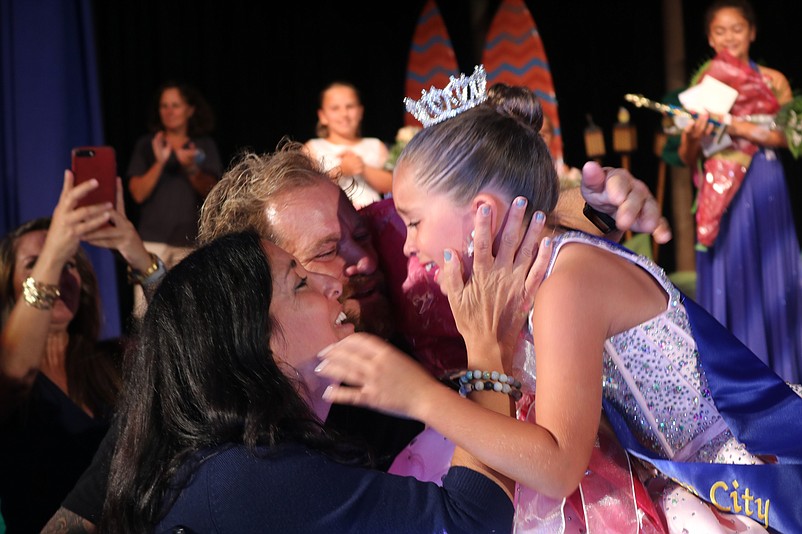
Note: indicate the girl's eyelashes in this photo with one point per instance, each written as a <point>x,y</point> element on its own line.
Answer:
<point>412,224</point>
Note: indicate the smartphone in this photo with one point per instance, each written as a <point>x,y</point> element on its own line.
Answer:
<point>100,163</point>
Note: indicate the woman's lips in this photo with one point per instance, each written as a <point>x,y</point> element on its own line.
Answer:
<point>340,318</point>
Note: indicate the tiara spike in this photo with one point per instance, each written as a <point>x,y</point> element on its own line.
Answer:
<point>461,94</point>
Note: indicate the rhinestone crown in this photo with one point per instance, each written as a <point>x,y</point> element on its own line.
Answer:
<point>437,105</point>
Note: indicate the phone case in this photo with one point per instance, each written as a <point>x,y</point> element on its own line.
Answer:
<point>97,162</point>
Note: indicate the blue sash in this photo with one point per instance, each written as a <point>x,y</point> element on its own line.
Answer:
<point>761,411</point>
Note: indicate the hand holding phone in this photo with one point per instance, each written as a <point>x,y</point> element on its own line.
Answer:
<point>98,162</point>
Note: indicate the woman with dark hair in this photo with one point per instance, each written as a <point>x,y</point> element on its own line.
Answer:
<point>171,171</point>
<point>58,382</point>
<point>221,418</point>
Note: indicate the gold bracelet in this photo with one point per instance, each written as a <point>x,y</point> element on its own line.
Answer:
<point>39,295</point>
<point>137,277</point>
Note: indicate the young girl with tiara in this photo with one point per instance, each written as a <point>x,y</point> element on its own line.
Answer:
<point>708,428</point>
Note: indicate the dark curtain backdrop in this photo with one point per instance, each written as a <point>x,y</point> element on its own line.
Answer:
<point>261,65</point>
<point>50,103</point>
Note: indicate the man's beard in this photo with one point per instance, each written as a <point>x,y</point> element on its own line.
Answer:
<point>368,313</point>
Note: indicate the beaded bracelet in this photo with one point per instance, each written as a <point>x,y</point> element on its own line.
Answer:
<point>40,295</point>
<point>466,381</point>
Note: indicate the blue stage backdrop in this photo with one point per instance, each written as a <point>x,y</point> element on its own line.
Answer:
<point>50,103</point>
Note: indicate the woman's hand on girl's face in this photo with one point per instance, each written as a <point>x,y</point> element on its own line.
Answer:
<point>491,307</point>
<point>374,374</point>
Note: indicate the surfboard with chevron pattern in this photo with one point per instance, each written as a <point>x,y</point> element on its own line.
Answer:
<point>431,57</point>
<point>514,54</point>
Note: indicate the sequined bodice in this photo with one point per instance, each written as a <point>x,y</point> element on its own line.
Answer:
<point>652,372</point>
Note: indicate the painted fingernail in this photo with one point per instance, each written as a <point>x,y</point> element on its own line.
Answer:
<point>321,365</point>
<point>324,351</point>
<point>520,202</point>
<point>447,255</point>
<point>485,209</point>
<point>540,216</point>
<point>547,242</point>
<point>327,392</point>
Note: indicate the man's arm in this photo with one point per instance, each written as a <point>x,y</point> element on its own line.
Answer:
<point>617,193</point>
<point>65,521</point>
<point>569,212</point>
<point>84,504</point>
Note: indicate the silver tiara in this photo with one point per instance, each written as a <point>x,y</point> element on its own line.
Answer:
<point>460,94</point>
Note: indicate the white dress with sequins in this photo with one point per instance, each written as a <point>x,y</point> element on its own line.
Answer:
<point>652,374</point>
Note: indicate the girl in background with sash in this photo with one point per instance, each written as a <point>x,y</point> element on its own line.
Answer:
<point>710,430</point>
<point>748,257</point>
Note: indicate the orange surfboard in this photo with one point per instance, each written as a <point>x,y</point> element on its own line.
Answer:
<point>514,54</point>
<point>431,58</point>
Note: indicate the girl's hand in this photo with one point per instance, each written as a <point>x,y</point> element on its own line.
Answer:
<point>374,374</point>
<point>121,236</point>
<point>491,308</point>
<point>351,164</point>
<point>690,148</point>
<point>699,128</point>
